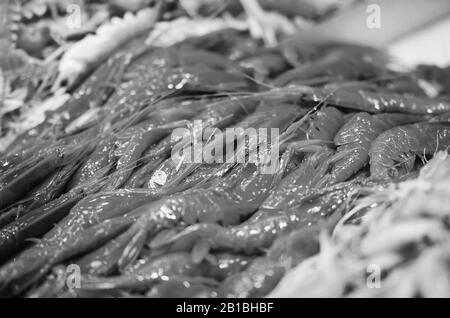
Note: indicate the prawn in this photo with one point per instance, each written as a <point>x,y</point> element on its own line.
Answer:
<point>218,114</point>
<point>50,189</point>
<point>378,102</point>
<point>19,273</point>
<point>336,65</point>
<point>296,186</point>
<point>260,231</point>
<point>355,138</point>
<point>312,172</point>
<point>235,199</point>
<point>24,182</point>
<point>85,213</point>
<point>184,287</point>
<point>356,96</point>
<point>264,117</point>
<point>133,139</point>
<point>265,65</point>
<point>264,273</point>
<point>393,153</point>
<point>38,221</point>
<point>153,270</point>
<point>228,202</point>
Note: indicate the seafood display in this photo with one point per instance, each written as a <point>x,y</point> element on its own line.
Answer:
<point>212,165</point>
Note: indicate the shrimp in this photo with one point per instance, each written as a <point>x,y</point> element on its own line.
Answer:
<point>311,173</point>
<point>140,176</point>
<point>264,117</point>
<point>217,114</point>
<point>296,186</point>
<point>100,158</point>
<point>134,148</point>
<point>228,201</point>
<point>152,270</point>
<point>324,124</point>
<point>131,142</point>
<point>336,65</point>
<point>83,215</point>
<point>264,273</point>
<point>184,287</point>
<point>53,285</point>
<point>277,118</point>
<point>259,232</point>
<point>356,96</point>
<point>265,65</point>
<point>17,163</point>
<point>35,223</point>
<point>20,185</point>
<point>97,208</point>
<point>356,136</point>
<point>394,152</point>
<point>167,72</point>
<point>229,42</point>
<point>376,102</point>
<point>38,221</point>
<point>32,264</point>
<point>50,189</point>
<point>85,101</point>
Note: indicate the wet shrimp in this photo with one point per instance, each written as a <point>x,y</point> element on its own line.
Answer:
<point>33,263</point>
<point>311,174</point>
<point>260,231</point>
<point>265,65</point>
<point>356,96</point>
<point>48,190</point>
<point>229,201</point>
<point>218,114</point>
<point>335,66</point>
<point>24,182</point>
<point>150,271</point>
<point>394,152</point>
<point>84,216</point>
<point>355,138</point>
<point>265,117</point>
<point>234,200</point>
<point>167,70</point>
<point>378,102</point>
<point>39,220</point>
<point>264,273</point>
<point>92,94</point>
<point>184,287</point>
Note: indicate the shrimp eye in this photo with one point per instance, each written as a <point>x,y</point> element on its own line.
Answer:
<point>64,83</point>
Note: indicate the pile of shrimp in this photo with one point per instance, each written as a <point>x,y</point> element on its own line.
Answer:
<point>93,205</point>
